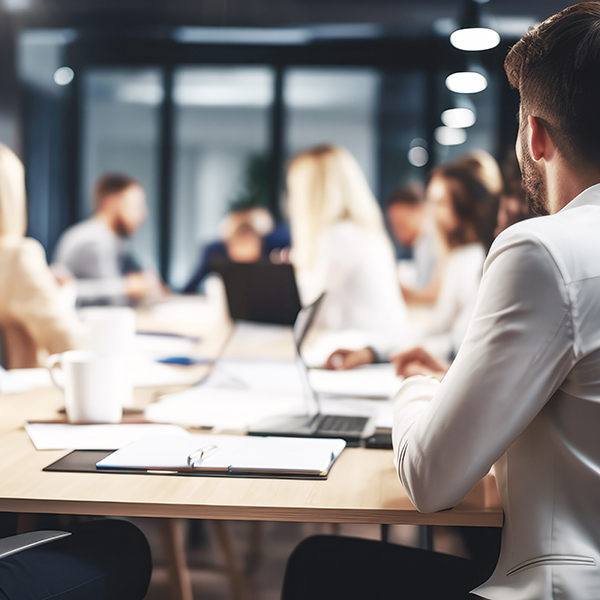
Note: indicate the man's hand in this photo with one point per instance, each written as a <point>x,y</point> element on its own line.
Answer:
<point>417,361</point>
<point>342,360</point>
<point>145,285</point>
<point>138,286</point>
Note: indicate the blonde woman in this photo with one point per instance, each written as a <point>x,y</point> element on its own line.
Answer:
<point>33,322</point>
<point>340,245</point>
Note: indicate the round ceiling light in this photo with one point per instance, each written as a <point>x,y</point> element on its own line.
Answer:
<point>447,136</point>
<point>466,82</point>
<point>63,75</point>
<point>458,118</point>
<point>418,156</point>
<point>474,39</point>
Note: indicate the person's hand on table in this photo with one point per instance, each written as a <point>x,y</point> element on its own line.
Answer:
<point>342,360</point>
<point>145,285</point>
<point>417,361</point>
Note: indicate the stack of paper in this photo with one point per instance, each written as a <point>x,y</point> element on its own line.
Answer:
<point>241,392</point>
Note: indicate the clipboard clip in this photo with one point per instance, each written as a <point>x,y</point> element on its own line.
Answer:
<point>201,454</point>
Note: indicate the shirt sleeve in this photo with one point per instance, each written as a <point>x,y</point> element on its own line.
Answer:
<point>517,351</point>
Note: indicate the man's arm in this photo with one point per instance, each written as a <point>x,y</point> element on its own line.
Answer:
<point>517,352</point>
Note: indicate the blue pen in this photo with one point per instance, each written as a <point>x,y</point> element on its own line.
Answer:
<point>185,361</point>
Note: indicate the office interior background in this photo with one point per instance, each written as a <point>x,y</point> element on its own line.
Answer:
<point>204,101</point>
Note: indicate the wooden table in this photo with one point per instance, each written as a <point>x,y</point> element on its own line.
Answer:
<point>362,486</point>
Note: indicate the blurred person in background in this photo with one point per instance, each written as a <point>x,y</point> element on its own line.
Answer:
<point>33,321</point>
<point>485,168</point>
<point>247,235</point>
<point>464,210</point>
<point>413,228</point>
<point>97,253</point>
<point>512,208</point>
<point>340,245</point>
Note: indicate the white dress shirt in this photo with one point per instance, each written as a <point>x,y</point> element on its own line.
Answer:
<point>523,394</point>
<point>356,269</point>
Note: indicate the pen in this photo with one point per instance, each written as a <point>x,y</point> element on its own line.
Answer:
<point>185,360</point>
<point>201,454</point>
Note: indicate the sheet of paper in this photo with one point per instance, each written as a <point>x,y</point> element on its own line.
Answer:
<point>241,392</point>
<point>265,376</point>
<point>157,345</point>
<point>262,454</point>
<point>21,380</point>
<point>63,436</point>
<point>223,408</point>
<point>370,381</point>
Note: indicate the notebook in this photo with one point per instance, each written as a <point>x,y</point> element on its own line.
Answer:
<point>228,455</point>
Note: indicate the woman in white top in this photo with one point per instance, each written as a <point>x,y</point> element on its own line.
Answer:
<point>464,210</point>
<point>340,245</point>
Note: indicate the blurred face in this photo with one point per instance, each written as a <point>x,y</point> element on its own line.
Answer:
<point>131,209</point>
<point>439,201</point>
<point>244,247</point>
<point>406,221</point>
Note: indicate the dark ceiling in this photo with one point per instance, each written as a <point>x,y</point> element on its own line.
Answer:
<point>403,15</point>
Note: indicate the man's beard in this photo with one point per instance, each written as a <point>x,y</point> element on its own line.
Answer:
<point>533,182</point>
<point>122,230</point>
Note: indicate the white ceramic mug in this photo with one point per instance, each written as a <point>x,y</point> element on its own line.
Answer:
<point>92,383</point>
<point>109,329</point>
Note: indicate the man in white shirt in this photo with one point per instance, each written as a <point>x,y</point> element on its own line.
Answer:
<point>523,394</point>
<point>96,252</point>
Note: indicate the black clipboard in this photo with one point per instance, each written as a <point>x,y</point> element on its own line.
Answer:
<point>84,461</point>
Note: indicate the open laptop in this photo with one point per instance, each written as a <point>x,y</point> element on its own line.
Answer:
<point>262,291</point>
<point>353,429</point>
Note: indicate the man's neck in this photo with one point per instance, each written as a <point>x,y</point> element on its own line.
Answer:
<point>565,184</point>
<point>108,219</point>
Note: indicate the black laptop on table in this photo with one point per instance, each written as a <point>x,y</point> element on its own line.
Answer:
<point>353,429</point>
<point>262,292</point>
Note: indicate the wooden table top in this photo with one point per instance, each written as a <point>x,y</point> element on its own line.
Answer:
<point>362,487</point>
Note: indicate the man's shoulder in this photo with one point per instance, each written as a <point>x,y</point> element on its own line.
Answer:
<point>84,235</point>
<point>566,238</point>
<point>89,226</point>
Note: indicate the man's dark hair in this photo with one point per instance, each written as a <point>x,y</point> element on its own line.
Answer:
<point>556,68</point>
<point>411,194</point>
<point>111,183</point>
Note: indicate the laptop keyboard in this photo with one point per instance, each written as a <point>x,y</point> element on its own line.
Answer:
<point>341,424</point>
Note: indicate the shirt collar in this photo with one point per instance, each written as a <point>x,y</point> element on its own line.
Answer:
<point>589,196</point>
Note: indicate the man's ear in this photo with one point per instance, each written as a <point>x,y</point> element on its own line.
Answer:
<point>542,145</point>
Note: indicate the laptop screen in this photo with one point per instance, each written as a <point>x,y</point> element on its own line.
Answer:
<point>262,292</point>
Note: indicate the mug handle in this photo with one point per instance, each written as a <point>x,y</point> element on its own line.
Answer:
<point>51,364</point>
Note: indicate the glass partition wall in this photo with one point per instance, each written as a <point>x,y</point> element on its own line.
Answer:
<point>232,125</point>
<point>221,147</point>
<point>120,111</point>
